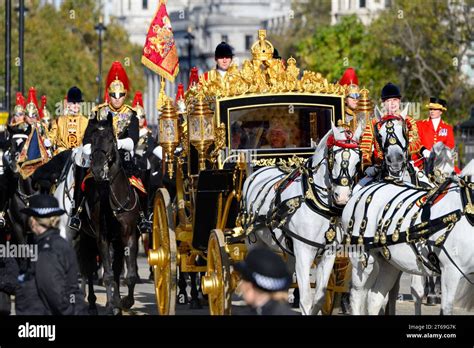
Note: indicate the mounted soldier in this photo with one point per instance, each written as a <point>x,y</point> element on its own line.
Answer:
<point>125,125</point>
<point>35,150</point>
<point>351,82</point>
<point>143,154</point>
<point>68,129</point>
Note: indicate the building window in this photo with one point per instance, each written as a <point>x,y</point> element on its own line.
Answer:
<point>362,3</point>
<point>145,4</point>
<point>248,42</point>
<point>224,38</point>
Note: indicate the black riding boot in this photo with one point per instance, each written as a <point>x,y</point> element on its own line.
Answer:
<point>74,220</point>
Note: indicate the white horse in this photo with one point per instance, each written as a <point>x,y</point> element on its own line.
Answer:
<point>306,208</point>
<point>386,212</point>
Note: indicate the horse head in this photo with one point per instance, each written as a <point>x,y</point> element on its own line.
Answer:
<point>18,137</point>
<point>104,153</point>
<point>344,158</point>
<point>440,164</point>
<point>392,137</point>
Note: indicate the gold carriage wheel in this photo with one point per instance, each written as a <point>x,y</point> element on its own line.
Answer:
<point>217,281</point>
<point>163,255</point>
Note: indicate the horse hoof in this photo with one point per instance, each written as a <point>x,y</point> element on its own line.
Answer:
<point>195,304</point>
<point>431,301</point>
<point>127,302</point>
<point>117,311</point>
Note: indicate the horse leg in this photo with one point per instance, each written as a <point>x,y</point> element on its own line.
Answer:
<point>418,291</point>
<point>387,276</point>
<point>304,259</point>
<point>91,298</point>
<point>391,307</point>
<point>362,279</point>
<point>431,296</point>
<point>132,269</point>
<point>182,295</point>
<point>449,284</point>
<point>195,301</point>
<point>323,272</point>
<point>108,276</point>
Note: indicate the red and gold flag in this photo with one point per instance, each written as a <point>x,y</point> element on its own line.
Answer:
<point>160,53</point>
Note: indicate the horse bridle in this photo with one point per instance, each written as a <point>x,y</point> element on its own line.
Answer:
<point>345,146</point>
<point>392,138</point>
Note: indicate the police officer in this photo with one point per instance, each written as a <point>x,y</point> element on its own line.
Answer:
<point>52,278</point>
<point>265,282</point>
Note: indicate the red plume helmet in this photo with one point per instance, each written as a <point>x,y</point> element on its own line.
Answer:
<point>180,99</point>
<point>193,77</point>
<point>20,104</point>
<point>117,80</point>
<point>350,80</point>
<point>138,106</point>
<point>44,113</point>
<point>32,103</point>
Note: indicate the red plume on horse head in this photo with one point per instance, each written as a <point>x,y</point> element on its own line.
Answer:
<point>117,80</point>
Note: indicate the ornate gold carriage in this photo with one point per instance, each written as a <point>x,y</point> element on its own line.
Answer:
<point>262,114</point>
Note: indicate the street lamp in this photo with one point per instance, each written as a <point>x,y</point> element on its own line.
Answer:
<point>8,32</point>
<point>100,28</point>
<point>21,35</point>
<point>190,38</point>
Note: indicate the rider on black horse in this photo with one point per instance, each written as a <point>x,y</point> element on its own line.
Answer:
<point>126,127</point>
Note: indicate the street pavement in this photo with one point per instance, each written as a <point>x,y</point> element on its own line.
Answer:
<point>145,299</point>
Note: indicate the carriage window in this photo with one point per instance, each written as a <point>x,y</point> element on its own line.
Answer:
<point>277,127</point>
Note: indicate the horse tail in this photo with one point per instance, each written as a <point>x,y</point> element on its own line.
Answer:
<point>465,295</point>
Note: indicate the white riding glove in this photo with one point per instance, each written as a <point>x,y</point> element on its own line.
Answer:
<point>125,144</point>
<point>158,152</point>
<point>47,143</point>
<point>426,153</point>
<point>86,149</point>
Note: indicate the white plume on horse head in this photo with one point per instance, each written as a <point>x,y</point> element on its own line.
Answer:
<point>378,113</point>
<point>358,133</point>
<point>338,132</point>
<point>404,112</point>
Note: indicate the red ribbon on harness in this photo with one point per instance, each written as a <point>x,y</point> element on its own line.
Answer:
<point>347,144</point>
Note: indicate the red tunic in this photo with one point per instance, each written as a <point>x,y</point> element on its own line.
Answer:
<point>429,136</point>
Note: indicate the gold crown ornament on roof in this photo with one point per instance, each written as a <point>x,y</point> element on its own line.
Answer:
<point>262,49</point>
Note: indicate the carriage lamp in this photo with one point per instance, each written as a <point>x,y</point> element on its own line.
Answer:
<point>201,129</point>
<point>169,133</point>
<point>365,107</point>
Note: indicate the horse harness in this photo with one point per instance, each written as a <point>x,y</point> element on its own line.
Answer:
<point>280,212</point>
<point>415,233</point>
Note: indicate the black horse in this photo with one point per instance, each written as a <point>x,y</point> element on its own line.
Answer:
<point>114,210</point>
